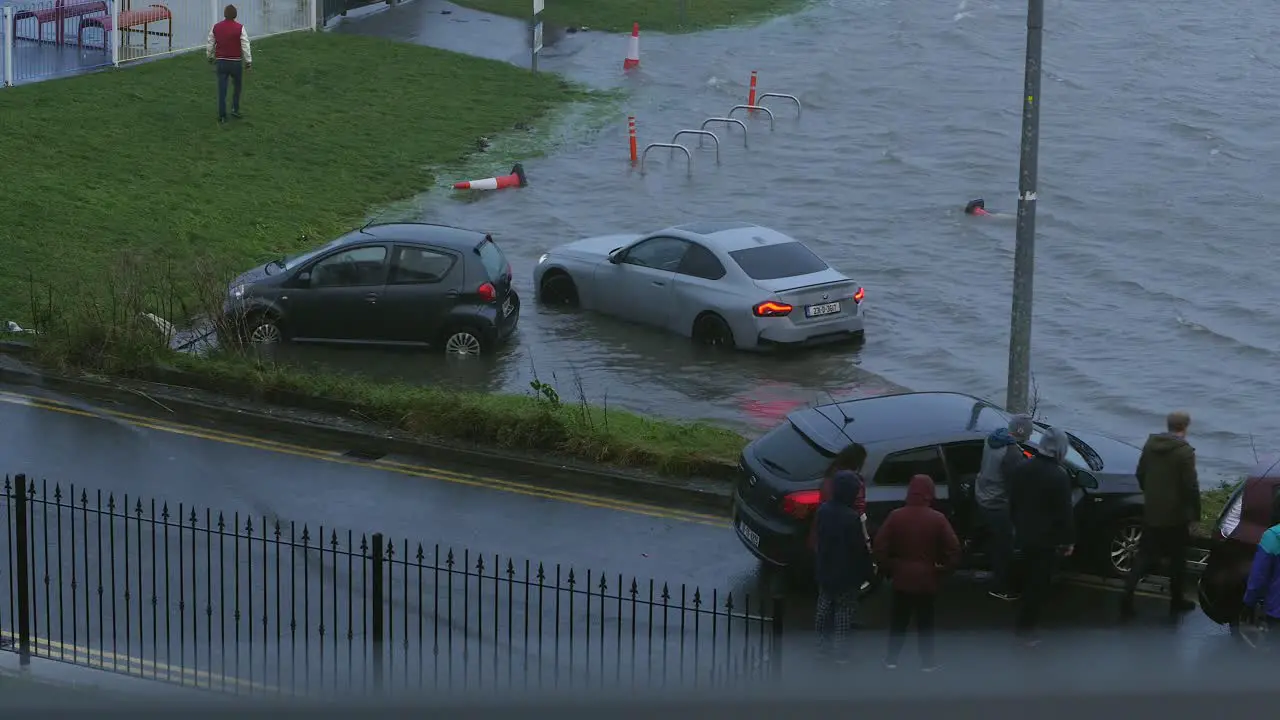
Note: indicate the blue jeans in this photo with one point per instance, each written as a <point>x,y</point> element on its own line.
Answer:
<point>999,546</point>
<point>232,70</point>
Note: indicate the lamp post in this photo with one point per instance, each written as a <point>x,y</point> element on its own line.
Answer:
<point>1024,256</point>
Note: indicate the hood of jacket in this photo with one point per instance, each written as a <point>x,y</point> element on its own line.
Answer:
<point>1167,443</point>
<point>844,487</point>
<point>999,438</point>
<point>1270,542</point>
<point>920,493</point>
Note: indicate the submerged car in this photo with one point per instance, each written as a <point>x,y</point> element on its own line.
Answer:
<point>1248,513</point>
<point>723,284</point>
<point>940,434</point>
<point>402,284</point>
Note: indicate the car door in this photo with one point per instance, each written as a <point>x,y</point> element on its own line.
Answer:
<point>421,290</point>
<point>696,283</point>
<point>638,283</point>
<point>888,488</point>
<point>337,296</point>
<point>964,460</point>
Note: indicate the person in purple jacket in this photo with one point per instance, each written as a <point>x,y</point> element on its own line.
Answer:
<point>1264,579</point>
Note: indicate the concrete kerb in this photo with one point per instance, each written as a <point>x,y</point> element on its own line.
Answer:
<point>163,401</point>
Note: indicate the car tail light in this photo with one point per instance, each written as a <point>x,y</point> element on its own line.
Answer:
<point>857,297</point>
<point>487,292</point>
<point>801,505</point>
<point>770,308</point>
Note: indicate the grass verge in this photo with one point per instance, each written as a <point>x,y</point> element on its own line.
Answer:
<point>670,16</point>
<point>1212,503</point>
<point>134,160</point>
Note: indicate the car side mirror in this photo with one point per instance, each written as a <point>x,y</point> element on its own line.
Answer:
<point>615,257</point>
<point>1086,480</point>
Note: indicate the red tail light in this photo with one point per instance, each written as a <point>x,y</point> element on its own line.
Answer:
<point>857,297</point>
<point>487,292</point>
<point>1027,454</point>
<point>770,308</point>
<point>802,504</point>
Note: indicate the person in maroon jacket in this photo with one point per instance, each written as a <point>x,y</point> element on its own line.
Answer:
<point>228,49</point>
<point>915,545</point>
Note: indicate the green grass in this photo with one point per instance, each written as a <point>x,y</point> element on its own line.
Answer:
<point>1212,502</point>
<point>659,15</point>
<point>133,161</point>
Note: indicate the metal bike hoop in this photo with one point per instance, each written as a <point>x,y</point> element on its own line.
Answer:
<point>754,107</point>
<point>701,134</point>
<point>784,96</point>
<point>688,155</point>
<point>726,121</point>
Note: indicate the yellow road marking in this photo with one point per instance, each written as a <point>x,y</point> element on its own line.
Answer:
<point>421,471</point>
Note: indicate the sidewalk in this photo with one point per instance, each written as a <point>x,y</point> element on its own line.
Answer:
<point>48,682</point>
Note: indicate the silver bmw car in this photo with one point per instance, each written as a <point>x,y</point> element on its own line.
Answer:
<point>723,284</point>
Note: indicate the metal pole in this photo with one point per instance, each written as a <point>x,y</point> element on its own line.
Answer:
<point>7,34</point>
<point>1024,256</point>
<point>22,548</point>
<point>379,619</point>
<point>115,37</point>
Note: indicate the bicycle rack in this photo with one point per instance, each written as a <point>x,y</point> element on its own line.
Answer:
<point>726,121</point>
<point>784,96</point>
<point>754,107</point>
<point>688,155</point>
<point>701,134</point>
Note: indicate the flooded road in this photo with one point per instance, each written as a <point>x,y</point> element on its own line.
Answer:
<point>1153,275</point>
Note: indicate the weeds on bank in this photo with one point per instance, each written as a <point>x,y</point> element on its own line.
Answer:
<point>657,15</point>
<point>113,331</point>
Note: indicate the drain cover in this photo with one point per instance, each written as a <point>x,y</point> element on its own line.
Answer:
<point>364,454</point>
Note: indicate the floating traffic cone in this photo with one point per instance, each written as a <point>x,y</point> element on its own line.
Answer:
<point>631,131</point>
<point>633,49</point>
<point>515,179</point>
<point>751,96</point>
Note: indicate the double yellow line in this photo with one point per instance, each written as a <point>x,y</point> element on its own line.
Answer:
<point>411,470</point>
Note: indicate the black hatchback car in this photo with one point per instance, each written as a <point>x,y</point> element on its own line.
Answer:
<point>940,434</point>
<point>405,284</point>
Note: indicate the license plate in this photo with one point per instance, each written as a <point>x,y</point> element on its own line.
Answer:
<point>823,309</point>
<point>749,534</point>
<point>507,307</point>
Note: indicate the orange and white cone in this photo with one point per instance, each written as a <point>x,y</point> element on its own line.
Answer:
<point>515,179</point>
<point>633,49</point>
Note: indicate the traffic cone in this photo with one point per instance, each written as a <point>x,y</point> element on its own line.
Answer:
<point>633,49</point>
<point>515,179</point>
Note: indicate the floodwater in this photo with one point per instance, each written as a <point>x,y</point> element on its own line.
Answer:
<point>1154,261</point>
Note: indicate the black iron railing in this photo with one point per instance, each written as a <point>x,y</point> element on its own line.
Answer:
<point>256,605</point>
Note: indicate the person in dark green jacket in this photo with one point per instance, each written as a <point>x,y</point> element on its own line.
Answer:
<point>1171,493</point>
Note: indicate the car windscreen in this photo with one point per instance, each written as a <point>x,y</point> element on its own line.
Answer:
<point>293,261</point>
<point>789,454</point>
<point>494,261</point>
<point>770,262</point>
<point>1073,454</point>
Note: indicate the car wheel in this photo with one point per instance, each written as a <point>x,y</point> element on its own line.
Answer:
<point>1122,547</point>
<point>558,289</point>
<point>463,342</point>
<point>711,330</point>
<point>263,330</point>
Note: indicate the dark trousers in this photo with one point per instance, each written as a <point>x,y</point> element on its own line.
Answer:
<point>834,619</point>
<point>999,546</point>
<point>1037,567</point>
<point>232,70</point>
<point>1168,544</point>
<point>908,606</point>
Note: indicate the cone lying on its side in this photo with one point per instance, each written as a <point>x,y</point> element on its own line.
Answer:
<point>515,179</point>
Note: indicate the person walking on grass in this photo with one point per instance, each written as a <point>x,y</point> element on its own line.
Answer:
<point>1043,515</point>
<point>1000,454</point>
<point>1171,508</point>
<point>228,49</point>
<point>842,564</point>
<point>915,545</point>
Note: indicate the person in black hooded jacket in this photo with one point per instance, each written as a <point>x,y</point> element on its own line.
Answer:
<point>842,563</point>
<point>1044,527</point>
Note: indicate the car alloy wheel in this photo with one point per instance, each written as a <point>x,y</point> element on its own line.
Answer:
<point>559,290</point>
<point>464,343</point>
<point>713,332</point>
<point>1124,547</point>
<point>265,332</point>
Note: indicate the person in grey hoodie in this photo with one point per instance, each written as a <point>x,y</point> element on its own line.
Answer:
<point>1000,455</point>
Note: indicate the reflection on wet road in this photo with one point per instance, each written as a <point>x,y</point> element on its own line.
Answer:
<point>436,611</point>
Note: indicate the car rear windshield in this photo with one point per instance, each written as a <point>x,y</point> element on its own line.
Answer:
<point>770,262</point>
<point>787,453</point>
<point>495,263</point>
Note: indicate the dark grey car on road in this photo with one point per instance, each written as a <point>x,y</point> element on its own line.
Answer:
<point>409,284</point>
<point>940,434</point>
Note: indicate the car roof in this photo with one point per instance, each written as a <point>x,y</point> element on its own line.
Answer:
<point>426,233</point>
<point>729,236</point>
<point>928,416</point>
